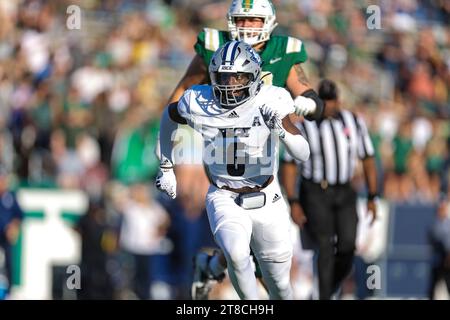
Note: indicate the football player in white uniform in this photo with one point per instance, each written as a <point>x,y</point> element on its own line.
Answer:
<point>241,121</point>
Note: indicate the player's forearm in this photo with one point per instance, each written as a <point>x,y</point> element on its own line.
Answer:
<point>307,102</point>
<point>296,145</point>
<point>289,179</point>
<point>178,92</point>
<point>167,131</point>
<point>370,173</point>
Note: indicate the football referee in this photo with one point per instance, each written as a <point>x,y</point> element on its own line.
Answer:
<point>325,205</point>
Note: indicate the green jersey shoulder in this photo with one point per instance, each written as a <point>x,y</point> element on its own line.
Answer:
<point>278,55</point>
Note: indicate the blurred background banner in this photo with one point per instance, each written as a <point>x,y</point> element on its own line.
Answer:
<point>47,239</point>
<point>80,105</point>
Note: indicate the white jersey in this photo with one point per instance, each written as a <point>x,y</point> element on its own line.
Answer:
<point>239,149</point>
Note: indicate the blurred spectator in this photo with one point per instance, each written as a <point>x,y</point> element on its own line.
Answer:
<point>91,80</point>
<point>98,242</point>
<point>144,225</point>
<point>435,154</point>
<point>399,185</point>
<point>440,239</point>
<point>11,216</point>
<point>95,173</point>
<point>133,155</point>
<point>6,150</point>
<point>440,231</point>
<point>69,166</point>
<point>76,116</point>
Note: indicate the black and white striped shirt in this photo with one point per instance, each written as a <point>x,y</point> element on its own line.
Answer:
<point>335,145</point>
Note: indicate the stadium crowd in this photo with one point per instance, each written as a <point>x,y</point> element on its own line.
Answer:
<point>81,108</point>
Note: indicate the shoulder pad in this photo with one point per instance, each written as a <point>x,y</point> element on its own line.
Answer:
<point>294,45</point>
<point>212,41</point>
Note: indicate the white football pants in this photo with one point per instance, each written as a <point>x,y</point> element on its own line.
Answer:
<point>266,230</point>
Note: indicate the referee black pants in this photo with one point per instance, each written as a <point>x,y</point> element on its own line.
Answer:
<point>332,222</point>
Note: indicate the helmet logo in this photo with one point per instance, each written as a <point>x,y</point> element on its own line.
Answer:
<point>226,68</point>
<point>253,56</point>
<point>247,5</point>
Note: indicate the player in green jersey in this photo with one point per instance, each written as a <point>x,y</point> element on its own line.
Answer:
<point>279,55</point>
<point>253,21</point>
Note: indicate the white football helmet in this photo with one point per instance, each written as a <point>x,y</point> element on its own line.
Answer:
<point>251,8</point>
<point>235,72</point>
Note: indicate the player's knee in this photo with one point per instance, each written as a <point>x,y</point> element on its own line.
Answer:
<point>325,243</point>
<point>283,290</point>
<point>239,262</point>
<point>346,246</point>
<point>239,258</point>
<point>283,283</point>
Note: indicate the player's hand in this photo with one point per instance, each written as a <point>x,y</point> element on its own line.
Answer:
<point>272,120</point>
<point>372,209</point>
<point>297,214</point>
<point>166,181</point>
<point>304,106</point>
<point>12,231</point>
